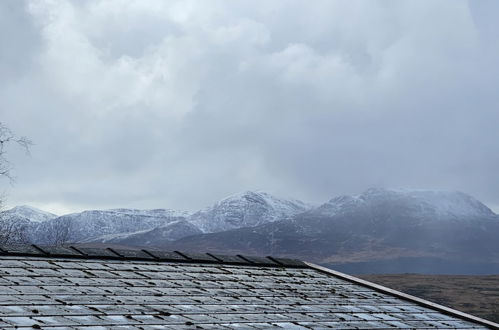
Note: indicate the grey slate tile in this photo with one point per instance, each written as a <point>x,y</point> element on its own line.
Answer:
<point>154,294</point>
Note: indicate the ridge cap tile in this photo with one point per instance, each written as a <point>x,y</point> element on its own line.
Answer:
<point>23,249</point>
<point>145,254</point>
<point>166,255</point>
<point>288,262</point>
<point>259,260</point>
<point>229,259</point>
<point>202,257</point>
<point>96,252</point>
<point>132,254</point>
<point>59,251</point>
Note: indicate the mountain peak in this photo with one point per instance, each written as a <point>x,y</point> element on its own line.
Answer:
<point>29,213</point>
<point>246,209</point>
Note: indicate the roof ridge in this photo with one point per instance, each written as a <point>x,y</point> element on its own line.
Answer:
<point>113,253</point>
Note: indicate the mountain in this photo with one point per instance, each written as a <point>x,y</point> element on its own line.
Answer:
<point>243,210</point>
<point>151,237</point>
<point>247,209</point>
<point>27,214</point>
<point>156,227</point>
<point>419,203</point>
<point>16,223</point>
<point>377,225</point>
<point>87,225</point>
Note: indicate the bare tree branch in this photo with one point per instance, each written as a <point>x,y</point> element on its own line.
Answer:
<point>11,231</point>
<point>8,138</point>
<point>62,233</point>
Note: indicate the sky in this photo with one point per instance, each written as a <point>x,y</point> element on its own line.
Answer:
<point>176,104</point>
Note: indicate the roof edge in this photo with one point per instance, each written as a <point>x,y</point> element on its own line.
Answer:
<point>113,253</point>
<point>405,296</point>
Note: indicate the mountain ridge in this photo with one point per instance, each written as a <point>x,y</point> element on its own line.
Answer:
<point>244,209</point>
<point>376,227</point>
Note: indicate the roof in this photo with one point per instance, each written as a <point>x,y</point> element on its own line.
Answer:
<point>75,287</point>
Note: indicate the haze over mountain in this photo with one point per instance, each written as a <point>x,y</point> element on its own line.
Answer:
<point>422,203</point>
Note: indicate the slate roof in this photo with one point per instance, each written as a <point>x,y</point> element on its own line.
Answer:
<point>74,287</point>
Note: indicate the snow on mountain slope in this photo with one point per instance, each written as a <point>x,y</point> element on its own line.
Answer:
<point>152,237</point>
<point>151,213</point>
<point>246,209</point>
<point>241,210</point>
<point>422,203</point>
<point>90,224</point>
<point>27,214</point>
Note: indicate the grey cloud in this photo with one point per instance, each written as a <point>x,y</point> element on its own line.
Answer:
<point>20,41</point>
<point>154,104</point>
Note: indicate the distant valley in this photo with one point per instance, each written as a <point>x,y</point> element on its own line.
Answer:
<point>377,231</point>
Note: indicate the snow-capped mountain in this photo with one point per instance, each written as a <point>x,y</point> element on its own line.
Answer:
<point>27,214</point>
<point>247,209</point>
<point>130,226</point>
<point>419,203</point>
<point>377,225</point>
<point>16,223</point>
<point>86,225</point>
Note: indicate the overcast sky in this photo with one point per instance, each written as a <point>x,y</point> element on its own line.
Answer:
<point>176,104</point>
